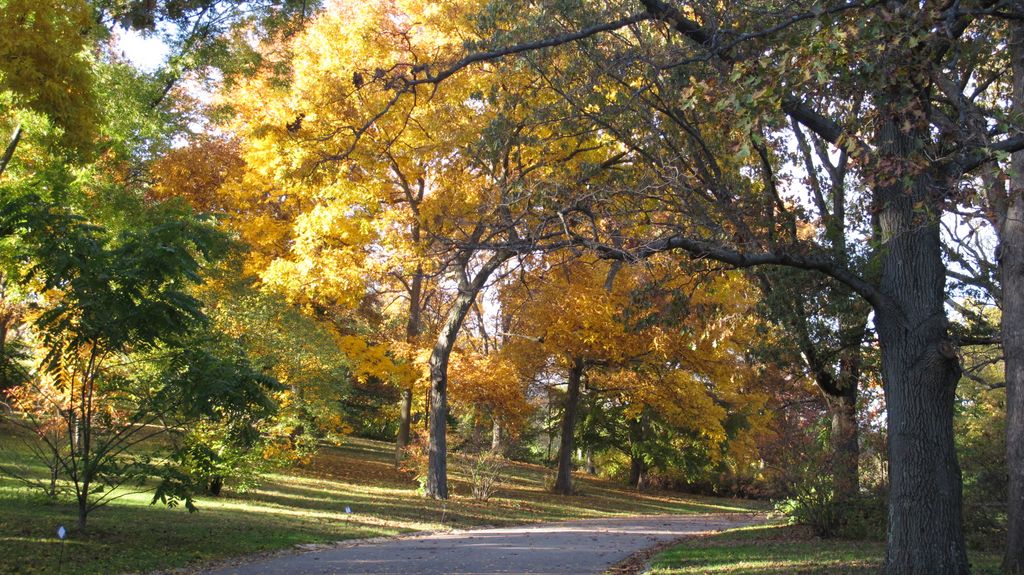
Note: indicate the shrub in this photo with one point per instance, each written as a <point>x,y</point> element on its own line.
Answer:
<point>485,474</point>
<point>813,505</point>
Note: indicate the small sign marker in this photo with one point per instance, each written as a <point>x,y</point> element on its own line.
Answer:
<point>62,534</point>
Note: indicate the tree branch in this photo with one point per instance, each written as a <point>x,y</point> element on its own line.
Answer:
<point>705,249</point>
<point>9,152</point>
<point>528,47</point>
<point>977,157</point>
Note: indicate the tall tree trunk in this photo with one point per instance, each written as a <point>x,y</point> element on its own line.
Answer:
<point>563,481</point>
<point>1013,350</point>
<point>919,362</point>
<point>1011,270</point>
<point>925,522</point>
<point>637,463</point>
<point>404,425</point>
<point>550,427</point>
<point>412,332</point>
<point>845,444</point>
<point>437,463</point>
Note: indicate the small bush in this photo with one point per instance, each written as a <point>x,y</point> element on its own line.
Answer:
<point>813,505</point>
<point>416,459</point>
<point>485,474</point>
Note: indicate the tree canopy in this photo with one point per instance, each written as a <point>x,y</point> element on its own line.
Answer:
<point>642,227</point>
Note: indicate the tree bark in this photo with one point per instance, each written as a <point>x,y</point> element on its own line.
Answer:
<point>496,440</point>
<point>3,352</point>
<point>637,464</point>
<point>426,411</point>
<point>404,425</point>
<point>919,362</point>
<point>9,150</point>
<point>412,333</point>
<point>1011,272</point>
<point>845,445</point>
<point>83,513</point>
<point>563,481</point>
<point>437,464</point>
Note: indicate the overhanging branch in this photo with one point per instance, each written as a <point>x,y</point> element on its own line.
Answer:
<point>705,249</point>
<point>528,47</point>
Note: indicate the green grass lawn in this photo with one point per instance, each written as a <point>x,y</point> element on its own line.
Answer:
<point>301,505</point>
<point>780,549</point>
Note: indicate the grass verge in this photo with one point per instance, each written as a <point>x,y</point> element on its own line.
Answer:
<point>782,549</point>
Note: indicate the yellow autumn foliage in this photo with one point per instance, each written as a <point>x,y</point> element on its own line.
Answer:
<point>45,64</point>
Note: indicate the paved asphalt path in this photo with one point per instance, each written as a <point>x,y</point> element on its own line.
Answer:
<point>587,546</point>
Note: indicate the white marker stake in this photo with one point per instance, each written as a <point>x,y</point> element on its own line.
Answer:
<point>62,534</point>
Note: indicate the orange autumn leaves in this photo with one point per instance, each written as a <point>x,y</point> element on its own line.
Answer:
<point>337,236</point>
<point>654,336</point>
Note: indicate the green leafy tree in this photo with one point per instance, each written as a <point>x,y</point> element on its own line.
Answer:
<point>105,298</point>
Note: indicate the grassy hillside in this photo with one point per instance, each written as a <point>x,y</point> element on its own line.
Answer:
<point>302,505</point>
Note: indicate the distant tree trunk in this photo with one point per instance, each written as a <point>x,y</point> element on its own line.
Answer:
<point>6,319</point>
<point>551,429</point>
<point>637,462</point>
<point>496,445</point>
<point>437,463</point>
<point>412,332</point>
<point>591,468</point>
<point>844,444</point>
<point>426,411</point>
<point>563,481</point>
<point>404,426</point>
<point>842,394</point>
<point>3,352</point>
<point>637,470</point>
<point>216,485</point>
<point>840,386</point>
<point>850,316</point>
<point>1011,270</point>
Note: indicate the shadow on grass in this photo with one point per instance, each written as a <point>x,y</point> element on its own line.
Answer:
<point>301,505</point>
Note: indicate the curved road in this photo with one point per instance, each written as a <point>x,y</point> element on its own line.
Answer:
<point>584,547</point>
